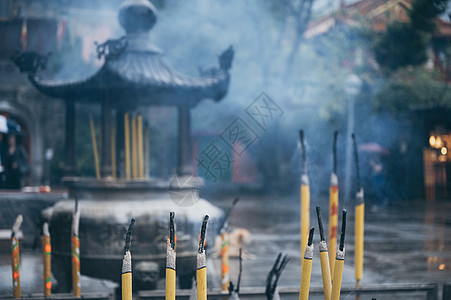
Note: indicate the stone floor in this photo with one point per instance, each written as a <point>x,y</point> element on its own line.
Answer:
<point>409,243</point>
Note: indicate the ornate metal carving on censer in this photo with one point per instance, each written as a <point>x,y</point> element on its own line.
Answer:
<point>134,74</point>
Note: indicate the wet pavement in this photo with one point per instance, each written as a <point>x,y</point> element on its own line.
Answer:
<point>404,244</point>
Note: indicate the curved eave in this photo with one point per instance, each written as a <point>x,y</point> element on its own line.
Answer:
<point>143,90</point>
<point>76,89</point>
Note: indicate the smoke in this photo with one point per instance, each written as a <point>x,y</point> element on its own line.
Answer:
<point>194,33</point>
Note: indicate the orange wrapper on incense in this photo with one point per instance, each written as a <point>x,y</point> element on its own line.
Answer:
<point>46,260</point>
<point>15,258</point>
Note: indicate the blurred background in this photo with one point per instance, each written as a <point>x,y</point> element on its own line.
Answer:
<point>377,68</point>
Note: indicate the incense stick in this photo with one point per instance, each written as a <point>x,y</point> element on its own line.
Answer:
<point>46,260</point>
<point>15,256</point>
<point>75,243</point>
<point>170,260</point>
<point>324,258</point>
<point>359,220</point>
<point>307,268</point>
<point>201,272</point>
<point>305,198</point>
<point>339,261</point>
<point>126,278</point>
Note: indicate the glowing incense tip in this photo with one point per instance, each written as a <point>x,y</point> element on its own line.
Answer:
<point>343,230</point>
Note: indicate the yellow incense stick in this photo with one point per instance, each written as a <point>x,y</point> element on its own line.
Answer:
<point>333,219</point>
<point>338,273</point>
<point>46,260</point>
<point>134,149</point>
<point>359,236</point>
<point>170,260</point>
<point>339,262</point>
<point>94,147</point>
<point>359,219</point>
<point>305,210</point>
<point>127,146</point>
<point>140,146</point>
<point>324,257</point>
<point>146,150</point>
<point>126,277</point>
<point>305,198</point>
<point>201,272</point>
<point>307,268</point>
<point>333,207</point>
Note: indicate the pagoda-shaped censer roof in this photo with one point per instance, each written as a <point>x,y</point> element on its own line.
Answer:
<point>136,71</point>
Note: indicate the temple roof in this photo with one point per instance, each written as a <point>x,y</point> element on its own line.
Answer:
<point>136,69</point>
<point>378,12</point>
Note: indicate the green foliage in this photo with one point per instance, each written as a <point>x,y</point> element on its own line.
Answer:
<point>400,46</point>
<point>404,44</point>
<point>423,13</point>
<point>412,88</point>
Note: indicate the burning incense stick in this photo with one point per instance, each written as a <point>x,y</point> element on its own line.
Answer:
<point>339,261</point>
<point>170,260</point>
<point>307,267</point>
<point>15,258</point>
<point>359,220</point>
<point>127,145</point>
<point>76,251</point>
<point>46,260</point>
<point>94,147</point>
<point>333,206</point>
<point>126,278</point>
<point>273,277</point>
<point>202,264</point>
<point>234,293</point>
<point>224,254</point>
<point>324,258</point>
<point>305,197</point>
